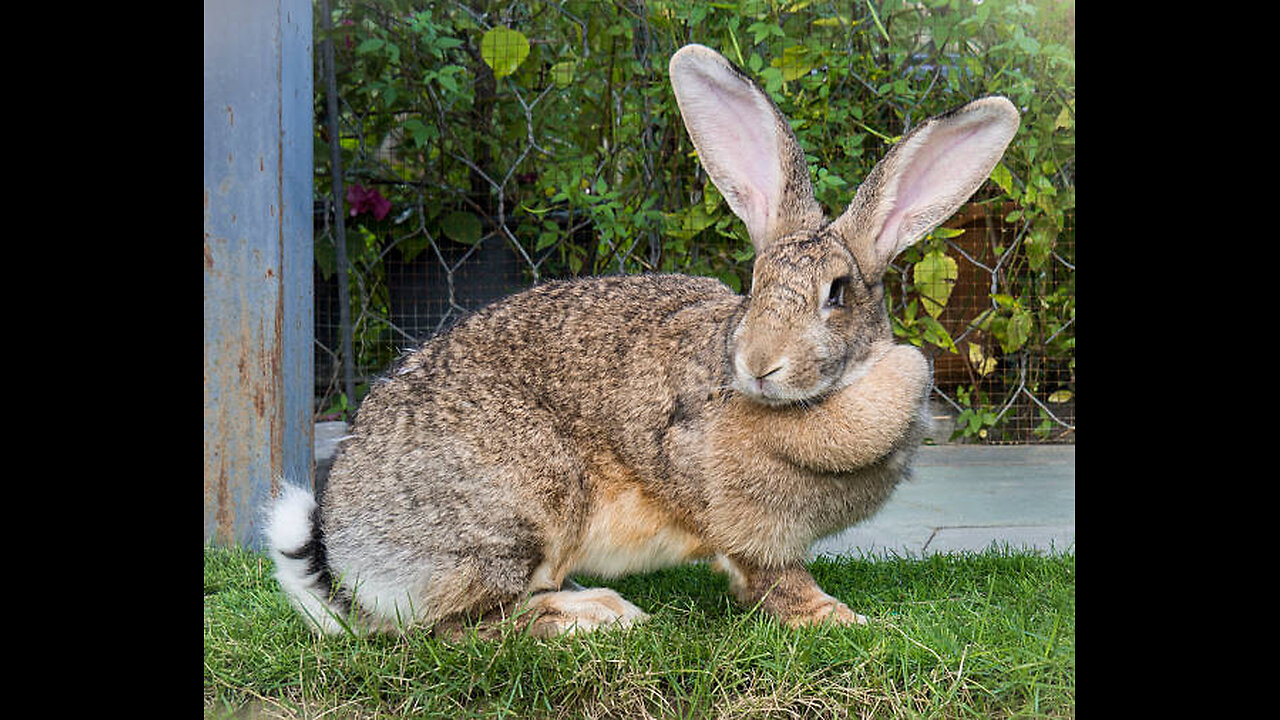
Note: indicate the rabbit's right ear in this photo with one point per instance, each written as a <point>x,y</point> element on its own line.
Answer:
<point>745,145</point>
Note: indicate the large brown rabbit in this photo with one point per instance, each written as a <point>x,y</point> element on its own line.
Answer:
<point>615,425</point>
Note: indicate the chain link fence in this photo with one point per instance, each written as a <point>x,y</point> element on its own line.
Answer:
<point>486,146</point>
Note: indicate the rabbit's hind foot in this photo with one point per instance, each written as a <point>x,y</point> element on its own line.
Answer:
<point>574,611</point>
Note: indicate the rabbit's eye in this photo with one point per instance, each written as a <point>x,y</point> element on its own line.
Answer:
<point>835,296</point>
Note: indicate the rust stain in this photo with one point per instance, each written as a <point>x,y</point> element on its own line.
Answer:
<point>208,251</point>
<point>225,516</point>
<point>250,371</point>
<point>231,116</point>
<point>275,362</point>
<point>248,406</point>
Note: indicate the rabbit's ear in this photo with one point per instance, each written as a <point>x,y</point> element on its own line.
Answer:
<point>924,179</point>
<point>745,145</point>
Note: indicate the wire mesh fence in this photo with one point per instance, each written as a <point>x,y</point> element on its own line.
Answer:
<point>1004,374</point>
<point>488,145</point>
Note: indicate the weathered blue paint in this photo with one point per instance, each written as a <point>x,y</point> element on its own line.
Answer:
<point>258,344</point>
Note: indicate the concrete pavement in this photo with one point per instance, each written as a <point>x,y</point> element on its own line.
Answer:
<point>967,497</point>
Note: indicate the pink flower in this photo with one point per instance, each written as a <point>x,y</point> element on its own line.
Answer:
<point>365,200</point>
<point>347,38</point>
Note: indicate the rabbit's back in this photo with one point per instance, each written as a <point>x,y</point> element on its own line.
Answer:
<point>591,353</point>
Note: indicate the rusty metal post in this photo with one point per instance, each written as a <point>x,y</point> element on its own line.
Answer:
<point>258,306</point>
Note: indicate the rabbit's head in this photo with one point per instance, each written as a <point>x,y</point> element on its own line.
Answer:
<point>816,306</point>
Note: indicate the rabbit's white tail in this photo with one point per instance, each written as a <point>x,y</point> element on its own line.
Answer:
<point>296,542</point>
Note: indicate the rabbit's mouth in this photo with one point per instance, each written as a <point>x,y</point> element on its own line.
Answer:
<point>777,386</point>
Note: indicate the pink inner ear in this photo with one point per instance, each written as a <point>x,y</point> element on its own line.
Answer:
<point>887,240</point>
<point>738,147</point>
<point>937,176</point>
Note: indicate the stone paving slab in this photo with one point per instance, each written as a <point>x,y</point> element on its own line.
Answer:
<point>965,498</point>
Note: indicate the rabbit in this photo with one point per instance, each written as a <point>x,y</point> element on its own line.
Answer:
<point>620,424</point>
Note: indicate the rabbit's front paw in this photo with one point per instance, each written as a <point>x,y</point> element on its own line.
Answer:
<point>896,370</point>
<point>788,593</point>
<point>574,611</point>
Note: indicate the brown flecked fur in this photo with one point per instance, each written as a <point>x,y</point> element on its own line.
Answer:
<point>612,425</point>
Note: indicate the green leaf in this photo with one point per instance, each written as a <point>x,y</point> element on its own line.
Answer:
<point>1060,396</point>
<point>414,245</point>
<point>946,233</point>
<point>462,227</point>
<point>370,45</point>
<point>794,63</point>
<point>445,77</point>
<point>826,177</point>
<point>772,77</point>
<point>763,30</point>
<point>696,219</point>
<point>935,333</point>
<point>546,240</point>
<point>710,196</point>
<point>562,73</point>
<point>980,361</point>
<point>1002,177</point>
<point>503,49</point>
<point>1063,120</point>
<point>1004,300</point>
<point>934,276</point>
<point>834,22</point>
<point>1040,244</point>
<point>419,131</point>
<point>1017,331</point>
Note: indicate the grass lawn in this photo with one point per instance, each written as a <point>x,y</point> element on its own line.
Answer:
<point>988,635</point>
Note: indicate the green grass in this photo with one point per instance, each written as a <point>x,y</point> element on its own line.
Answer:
<point>988,635</point>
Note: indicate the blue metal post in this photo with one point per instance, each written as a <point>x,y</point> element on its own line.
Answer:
<point>258,308</point>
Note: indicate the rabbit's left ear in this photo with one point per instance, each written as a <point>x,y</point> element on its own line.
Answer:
<point>924,179</point>
<point>745,145</point>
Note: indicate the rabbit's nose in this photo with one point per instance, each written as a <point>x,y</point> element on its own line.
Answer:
<point>761,376</point>
<point>766,382</point>
<point>760,366</point>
